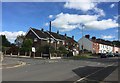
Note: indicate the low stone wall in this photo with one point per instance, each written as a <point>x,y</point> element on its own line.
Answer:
<point>55,57</point>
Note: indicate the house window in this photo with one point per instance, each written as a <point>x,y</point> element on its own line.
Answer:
<point>35,39</point>
<point>48,41</point>
<point>77,45</point>
<point>58,42</point>
<point>63,43</point>
<point>51,41</point>
<point>66,43</point>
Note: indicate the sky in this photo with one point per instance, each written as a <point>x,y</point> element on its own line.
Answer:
<point>95,18</point>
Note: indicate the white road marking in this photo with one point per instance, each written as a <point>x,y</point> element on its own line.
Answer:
<point>20,64</point>
<point>93,73</point>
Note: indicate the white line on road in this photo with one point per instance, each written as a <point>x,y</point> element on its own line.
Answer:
<point>20,64</point>
<point>93,73</point>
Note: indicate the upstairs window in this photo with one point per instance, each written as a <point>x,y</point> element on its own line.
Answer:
<point>63,43</point>
<point>35,39</point>
<point>58,42</point>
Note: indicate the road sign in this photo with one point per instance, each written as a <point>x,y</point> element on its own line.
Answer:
<point>33,49</point>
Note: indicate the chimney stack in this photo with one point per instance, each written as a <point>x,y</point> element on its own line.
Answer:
<point>57,31</point>
<point>42,29</point>
<point>93,38</point>
<point>87,36</point>
<point>50,27</point>
<point>65,34</point>
<point>73,37</point>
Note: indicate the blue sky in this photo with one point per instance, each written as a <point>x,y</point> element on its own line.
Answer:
<point>99,19</point>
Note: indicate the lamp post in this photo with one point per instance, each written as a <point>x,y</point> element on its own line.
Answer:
<point>82,25</point>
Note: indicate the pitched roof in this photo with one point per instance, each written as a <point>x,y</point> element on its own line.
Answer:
<point>40,33</point>
<point>47,34</point>
<point>101,41</point>
<point>56,36</point>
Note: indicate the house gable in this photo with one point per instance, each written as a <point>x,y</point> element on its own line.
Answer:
<point>31,35</point>
<point>86,43</point>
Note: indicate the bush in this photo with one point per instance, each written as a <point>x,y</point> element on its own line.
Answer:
<point>46,49</point>
<point>62,50</point>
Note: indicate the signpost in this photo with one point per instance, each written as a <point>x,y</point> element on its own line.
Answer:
<point>33,50</point>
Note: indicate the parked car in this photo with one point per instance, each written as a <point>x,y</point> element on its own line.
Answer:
<point>103,55</point>
<point>110,54</point>
<point>116,54</point>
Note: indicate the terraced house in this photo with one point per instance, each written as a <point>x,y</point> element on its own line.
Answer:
<point>97,45</point>
<point>56,40</point>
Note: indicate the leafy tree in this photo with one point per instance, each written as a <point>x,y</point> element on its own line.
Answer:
<point>40,49</point>
<point>27,45</point>
<point>5,42</point>
<point>116,43</point>
<point>46,49</point>
<point>19,40</point>
<point>62,50</point>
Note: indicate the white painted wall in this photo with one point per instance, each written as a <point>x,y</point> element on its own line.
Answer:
<point>87,44</point>
<point>105,48</point>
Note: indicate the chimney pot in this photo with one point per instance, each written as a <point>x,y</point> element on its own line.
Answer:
<point>73,37</point>
<point>87,36</point>
<point>57,31</point>
<point>42,29</point>
<point>65,34</point>
<point>93,38</point>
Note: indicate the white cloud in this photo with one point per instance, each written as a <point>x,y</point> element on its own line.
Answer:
<point>50,16</point>
<point>107,37</point>
<point>116,17</point>
<point>11,36</point>
<point>101,25</point>
<point>67,22</point>
<point>99,11</point>
<point>46,24</point>
<point>112,5</point>
<point>84,5</point>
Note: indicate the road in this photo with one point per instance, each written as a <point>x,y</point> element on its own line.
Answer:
<point>73,71</point>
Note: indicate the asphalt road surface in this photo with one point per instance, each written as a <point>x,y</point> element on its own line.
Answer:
<point>64,70</point>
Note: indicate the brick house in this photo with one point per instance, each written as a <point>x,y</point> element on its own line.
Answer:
<point>97,45</point>
<point>41,38</point>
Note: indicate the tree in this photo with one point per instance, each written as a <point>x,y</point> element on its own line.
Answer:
<point>27,45</point>
<point>62,50</point>
<point>46,49</point>
<point>116,43</point>
<point>5,42</point>
<point>19,40</point>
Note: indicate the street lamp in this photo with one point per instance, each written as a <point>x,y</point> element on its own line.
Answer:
<point>82,25</point>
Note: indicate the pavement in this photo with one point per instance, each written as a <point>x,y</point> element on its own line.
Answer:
<point>77,71</point>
